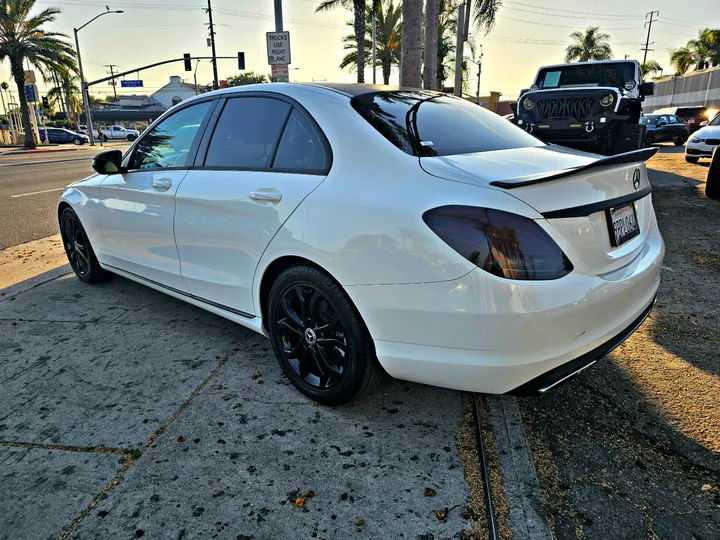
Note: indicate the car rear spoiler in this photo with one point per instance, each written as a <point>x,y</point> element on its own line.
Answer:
<point>636,156</point>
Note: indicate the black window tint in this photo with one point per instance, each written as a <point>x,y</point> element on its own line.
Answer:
<point>168,144</point>
<point>301,147</point>
<point>430,124</point>
<point>673,119</point>
<point>247,132</point>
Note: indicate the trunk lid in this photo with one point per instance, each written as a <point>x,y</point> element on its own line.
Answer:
<point>572,190</point>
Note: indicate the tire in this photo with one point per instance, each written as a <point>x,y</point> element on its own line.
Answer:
<point>681,140</point>
<point>319,338</point>
<point>649,140</point>
<point>131,137</point>
<point>691,159</point>
<point>105,139</point>
<point>77,142</point>
<point>79,252</point>
<point>629,137</point>
<point>712,188</point>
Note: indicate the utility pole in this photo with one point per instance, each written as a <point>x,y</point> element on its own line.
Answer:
<point>278,16</point>
<point>216,85</point>
<point>479,65</point>
<point>459,50</point>
<point>374,43</point>
<point>113,82</point>
<point>647,41</point>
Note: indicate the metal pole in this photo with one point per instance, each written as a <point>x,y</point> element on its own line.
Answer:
<point>195,76</point>
<point>5,112</point>
<point>374,47</point>
<point>459,51</point>
<point>216,85</point>
<point>479,73</point>
<point>84,90</point>
<point>278,16</point>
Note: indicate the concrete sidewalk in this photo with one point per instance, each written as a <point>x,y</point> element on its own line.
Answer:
<point>125,413</point>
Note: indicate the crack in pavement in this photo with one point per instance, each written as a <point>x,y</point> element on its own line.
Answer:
<point>131,457</point>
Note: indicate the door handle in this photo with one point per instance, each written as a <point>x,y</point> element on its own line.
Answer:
<point>162,183</point>
<point>266,195</point>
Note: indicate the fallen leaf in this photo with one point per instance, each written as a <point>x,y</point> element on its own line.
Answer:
<point>441,515</point>
<point>359,522</point>
<point>14,323</point>
<point>706,487</point>
<point>309,493</point>
<point>255,375</point>
<point>429,492</point>
<point>299,502</point>
<point>180,439</point>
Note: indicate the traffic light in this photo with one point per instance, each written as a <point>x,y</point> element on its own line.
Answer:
<point>45,102</point>
<point>241,61</point>
<point>188,62</point>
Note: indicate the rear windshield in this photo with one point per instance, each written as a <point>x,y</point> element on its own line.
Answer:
<point>645,120</point>
<point>690,112</point>
<point>427,124</point>
<point>586,74</point>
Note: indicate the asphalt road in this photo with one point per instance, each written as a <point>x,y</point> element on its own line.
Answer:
<point>29,187</point>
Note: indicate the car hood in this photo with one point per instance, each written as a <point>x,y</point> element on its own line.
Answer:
<point>712,132</point>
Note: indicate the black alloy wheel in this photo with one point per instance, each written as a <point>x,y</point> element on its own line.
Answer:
<point>77,142</point>
<point>131,137</point>
<point>319,340</point>
<point>79,251</point>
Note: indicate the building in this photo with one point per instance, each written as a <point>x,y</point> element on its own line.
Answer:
<point>133,112</point>
<point>174,92</point>
<point>694,88</point>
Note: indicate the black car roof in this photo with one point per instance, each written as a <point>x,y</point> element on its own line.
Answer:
<point>358,89</point>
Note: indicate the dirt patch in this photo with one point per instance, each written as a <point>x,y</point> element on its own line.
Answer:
<point>475,510</point>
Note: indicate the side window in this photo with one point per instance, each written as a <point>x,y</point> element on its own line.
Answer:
<point>168,143</point>
<point>301,147</point>
<point>663,119</point>
<point>674,120</point>
<point>247,133</point>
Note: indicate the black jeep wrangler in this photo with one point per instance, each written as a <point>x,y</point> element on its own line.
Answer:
<point>590,105</point>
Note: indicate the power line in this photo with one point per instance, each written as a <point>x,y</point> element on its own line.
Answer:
<point>596,17</point>
<point>573,11</point>
<point>557,25</point>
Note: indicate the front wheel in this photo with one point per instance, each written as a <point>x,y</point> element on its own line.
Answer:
<point>649,139</point>
<point>681,140</point>
<point>104,137</point>
<point>691,159</point>
<point>131,137</point>
<point>77,142</point>
<point>79,252</point>
<point>629,137</point>
<point>318,337</point>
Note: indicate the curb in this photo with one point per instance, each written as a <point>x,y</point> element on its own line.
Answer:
<point>41,151</point>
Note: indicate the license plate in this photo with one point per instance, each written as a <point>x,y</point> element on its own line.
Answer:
<point>623,224</point>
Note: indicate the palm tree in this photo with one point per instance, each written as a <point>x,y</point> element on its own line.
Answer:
<point>66,95</point>
<point>681,59</point>
<point>588,45</point>
<point>412,46</point>
<point>432,16</point>
<point>358,7</point>
<point>651,66</point>
<point>387,24</point>
<point>22,38</point>
<point>706,47</point>
<point>484,14</point>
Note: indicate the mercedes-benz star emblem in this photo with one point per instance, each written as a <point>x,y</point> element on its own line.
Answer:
<point>310,337</point>
<point>636,179</point>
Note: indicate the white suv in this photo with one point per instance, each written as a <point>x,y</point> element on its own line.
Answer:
<point>702,143</point>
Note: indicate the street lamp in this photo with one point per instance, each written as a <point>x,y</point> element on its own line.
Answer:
<point>83,85</point>
<point>479,65</point>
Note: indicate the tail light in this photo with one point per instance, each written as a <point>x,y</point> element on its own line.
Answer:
<point>503,244</point>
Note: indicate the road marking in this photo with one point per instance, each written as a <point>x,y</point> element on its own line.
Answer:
<point>36,192</point>
<point>26,163</point>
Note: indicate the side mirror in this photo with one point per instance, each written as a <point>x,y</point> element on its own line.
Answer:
<point>703,123</point>
<point>108,162</point>
<point>647,88</point>
<point>524,90</point>
<point>661,123</point>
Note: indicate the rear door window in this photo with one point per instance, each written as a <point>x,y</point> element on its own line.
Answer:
<point>247,133</point>
<point>301,147</point>
<point>427,124</point>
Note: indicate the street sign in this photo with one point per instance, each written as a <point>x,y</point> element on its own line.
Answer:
<point>30,77</point>
<point>130,84</point>
<point>279,73</point>
<point>278,47</point>
<point>31,93</point>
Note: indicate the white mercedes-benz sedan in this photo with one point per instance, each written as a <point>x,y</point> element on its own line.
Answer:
<point>367,228</point>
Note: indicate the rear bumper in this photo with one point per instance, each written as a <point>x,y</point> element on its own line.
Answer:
<point>565,372</point>
<point>481,333</point>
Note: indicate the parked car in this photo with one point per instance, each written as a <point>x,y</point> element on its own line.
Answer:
<point>702,143</point>
<point>693,115</point>
<point>593,105</point>
<point>118,133</point>
<point>82,128</point>
<point>454,250</point>
<point>664,128</point>
<point>62,136</point>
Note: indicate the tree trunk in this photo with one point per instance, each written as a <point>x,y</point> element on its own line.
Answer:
<point>19,75</point>
<point>411,47</point>
<point>431,37</point>
<point>359,6</point>
<point>386,63</point>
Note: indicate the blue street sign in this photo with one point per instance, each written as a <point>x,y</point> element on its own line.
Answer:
<point>130,84</point>
<point>31,93</point>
